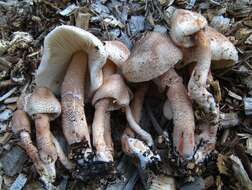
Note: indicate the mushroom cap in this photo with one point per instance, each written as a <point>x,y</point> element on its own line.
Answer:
<point>153,55</point>
<point>114,88</point>
<point>41,101</point>
<point>59,46</point>
<point>117,52</point>
<point>184,24</point>
<point>223,52</point>
<point>20,122</point>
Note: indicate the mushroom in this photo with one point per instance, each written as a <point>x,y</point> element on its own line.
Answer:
<point>22,128</point>
<point>153,57</point>
<point>68,52</point>
<point>101,130</point>
<point>43,107</point>
<point>187,30</point>
<point>115,89</point>
<point>205,45</point>
<point>59,46</point>
<point>131,145</point>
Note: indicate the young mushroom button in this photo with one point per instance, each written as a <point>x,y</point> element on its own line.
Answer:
<point>43,107</point>
<point>153,56</point>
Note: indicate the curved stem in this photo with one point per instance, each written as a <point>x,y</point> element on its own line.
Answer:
<point>137,106</point>
<point>133,124</point>
<point>47,151</point>
<point>74,122</point>
<point>199,93</point>
<point>198,80</point>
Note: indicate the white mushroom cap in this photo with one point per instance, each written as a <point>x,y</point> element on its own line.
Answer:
<point>41,101</point>
<point>117,52</point>
<point>59,46</point>
<point>223,52</point>
<point>184,24</point>
<point>152,56</point>
<point>115,89</point>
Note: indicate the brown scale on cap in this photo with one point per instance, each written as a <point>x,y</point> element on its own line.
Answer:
<point>43,107</point>
<point>153,56</point>
<point>21,127</point>
<point>150,59</point>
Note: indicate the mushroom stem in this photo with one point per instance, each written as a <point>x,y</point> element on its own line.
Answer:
<point>198,92</point>
<point>46,171</point>
<point>137,106</point>
<point>47,150</point>
<point>107,134</point>
<point>101,128</point>
<point>182,113</point>
<point>138,101</point>
<point>98,129</point>
<point>197,83</point>
<point>61,155</point>
<point>134,125</point>
<point>74,122</point>
<point>21,127</point>
<point>130,145</point>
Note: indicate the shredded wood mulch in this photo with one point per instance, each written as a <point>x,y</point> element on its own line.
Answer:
<point>25,23</point>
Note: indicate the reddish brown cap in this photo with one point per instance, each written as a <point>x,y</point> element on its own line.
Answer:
<point>153,55</point>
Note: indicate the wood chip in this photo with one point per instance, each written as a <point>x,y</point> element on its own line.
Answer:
<point>13,161</point>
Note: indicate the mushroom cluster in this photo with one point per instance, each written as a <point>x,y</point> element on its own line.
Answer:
<point>79,68</point>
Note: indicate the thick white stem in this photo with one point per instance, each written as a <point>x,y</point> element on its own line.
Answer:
<point>98,129</point>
